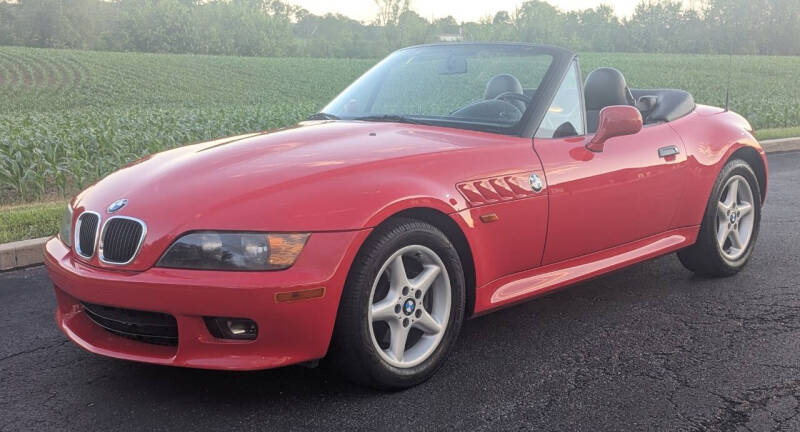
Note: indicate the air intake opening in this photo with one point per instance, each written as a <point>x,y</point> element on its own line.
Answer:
<point>148,327</point>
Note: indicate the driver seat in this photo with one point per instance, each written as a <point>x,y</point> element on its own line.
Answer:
<point>505,83</point>
<point>604,87</point>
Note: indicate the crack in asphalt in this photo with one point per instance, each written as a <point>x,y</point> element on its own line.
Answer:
<point>33,350</point>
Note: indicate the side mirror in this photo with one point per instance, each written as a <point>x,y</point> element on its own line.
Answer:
<point>614,121</point>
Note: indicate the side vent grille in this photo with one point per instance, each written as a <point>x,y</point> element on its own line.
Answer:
<point>497,189</point>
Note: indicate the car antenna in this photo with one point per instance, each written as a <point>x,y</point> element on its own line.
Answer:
<point>730,74</point>
<point>728,87</point>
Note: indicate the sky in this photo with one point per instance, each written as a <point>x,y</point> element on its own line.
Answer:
<point>462,10</point>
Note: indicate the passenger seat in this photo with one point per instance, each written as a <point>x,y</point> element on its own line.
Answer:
<point>604,87</point>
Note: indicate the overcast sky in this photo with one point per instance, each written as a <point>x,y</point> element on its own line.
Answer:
<point>462,10</point>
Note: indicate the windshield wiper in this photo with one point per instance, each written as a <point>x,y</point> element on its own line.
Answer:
<point>322,116</point>
<point>394,118</point>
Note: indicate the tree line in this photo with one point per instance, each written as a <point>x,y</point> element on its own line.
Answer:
<point>278,28</point>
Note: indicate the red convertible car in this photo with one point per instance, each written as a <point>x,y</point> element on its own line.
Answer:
<point>447,182</point>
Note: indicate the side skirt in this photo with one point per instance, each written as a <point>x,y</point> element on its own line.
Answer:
<point>522,286</point>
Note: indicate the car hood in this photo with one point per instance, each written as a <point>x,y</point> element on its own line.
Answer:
<point>317,176</point>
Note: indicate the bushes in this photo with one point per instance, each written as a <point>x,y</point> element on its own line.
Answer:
<point>238,27</point>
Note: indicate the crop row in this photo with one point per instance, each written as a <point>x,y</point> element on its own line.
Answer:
<point>68,117</point>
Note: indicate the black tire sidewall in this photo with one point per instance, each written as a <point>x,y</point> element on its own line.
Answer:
<point>378,248</point>
<point>733,168</point>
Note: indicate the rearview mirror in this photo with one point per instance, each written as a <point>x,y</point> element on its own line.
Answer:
<point>454,65</point>
<point>614,121</point>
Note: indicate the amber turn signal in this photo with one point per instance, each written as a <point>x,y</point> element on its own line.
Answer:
<point>488,218</point>
<point>293,296</point>
<point>284,248</point>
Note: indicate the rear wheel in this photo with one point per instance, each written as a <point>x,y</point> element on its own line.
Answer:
<point>402,307</point>
<point>730,226</point>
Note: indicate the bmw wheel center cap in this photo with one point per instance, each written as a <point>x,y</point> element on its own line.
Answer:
<point>409,306</point>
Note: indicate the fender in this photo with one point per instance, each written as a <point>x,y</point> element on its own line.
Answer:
<point>455,204</point>
<point>710,142</point>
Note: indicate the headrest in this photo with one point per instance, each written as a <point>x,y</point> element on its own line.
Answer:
<point>606,87</point>
<point>500,84</point>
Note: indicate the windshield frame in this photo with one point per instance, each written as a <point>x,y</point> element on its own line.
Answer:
<point>533,115</point>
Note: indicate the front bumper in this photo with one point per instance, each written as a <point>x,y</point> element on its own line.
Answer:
<point>288,332</point>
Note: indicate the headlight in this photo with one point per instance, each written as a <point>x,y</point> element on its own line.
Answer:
<point>234,251</point>
<point>65,229</point>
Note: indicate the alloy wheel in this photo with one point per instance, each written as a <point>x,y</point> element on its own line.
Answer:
<point>735,218</point>
<point>410,306</point>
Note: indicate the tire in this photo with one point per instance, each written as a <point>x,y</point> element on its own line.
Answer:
<point>710,256</point>
<point>362,350</point>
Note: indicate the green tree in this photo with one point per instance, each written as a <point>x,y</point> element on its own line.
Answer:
<point>413,29</point>
<point>44,23</point>
<point>335,36</point>
<point>388,18</point>
<point>654,25</point>
<point>389,11</point>
<point>540,22</point>
<point>6,23</point>
<point>278,28</point>
<point>501,17</point>
<point>446,25</point>
<point>599,29</point>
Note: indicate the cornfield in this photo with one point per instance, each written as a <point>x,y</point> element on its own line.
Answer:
<point>67,118</point>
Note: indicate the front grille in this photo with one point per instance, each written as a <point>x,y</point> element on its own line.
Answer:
<point>87,233</point>
<point>149,327</point>
<point>122,237</point>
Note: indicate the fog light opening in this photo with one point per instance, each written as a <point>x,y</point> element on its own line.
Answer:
<point>232,328</point>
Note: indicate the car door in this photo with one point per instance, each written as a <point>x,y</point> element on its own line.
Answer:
<point>599,200</point>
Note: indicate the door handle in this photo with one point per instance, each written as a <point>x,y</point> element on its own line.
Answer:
<point>665,152</point>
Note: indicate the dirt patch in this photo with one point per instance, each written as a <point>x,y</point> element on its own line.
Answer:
<point>76,71</point>
<point>54,73</point>
<point>25,73</point>
<point>8,76</point>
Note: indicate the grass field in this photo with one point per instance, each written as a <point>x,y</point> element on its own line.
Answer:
<point>768,134</point>
<point>69,117</point>
<point>27,221</point>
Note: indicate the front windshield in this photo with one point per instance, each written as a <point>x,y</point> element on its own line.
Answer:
<point>452,85</point>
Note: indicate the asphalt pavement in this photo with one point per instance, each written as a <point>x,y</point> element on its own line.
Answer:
<point>651,347</point>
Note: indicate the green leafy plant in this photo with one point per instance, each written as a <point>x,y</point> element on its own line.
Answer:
<point>68,118</point>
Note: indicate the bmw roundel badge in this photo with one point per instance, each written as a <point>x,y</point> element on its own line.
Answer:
<point>116,205</point>
<point>409,306</point>
<point>536,183</point>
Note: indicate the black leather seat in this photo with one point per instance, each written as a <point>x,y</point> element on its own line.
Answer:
<point>604,87</point>
<point>504,83</point>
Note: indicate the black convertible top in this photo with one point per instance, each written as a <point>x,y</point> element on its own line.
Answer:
<point>670,104</point>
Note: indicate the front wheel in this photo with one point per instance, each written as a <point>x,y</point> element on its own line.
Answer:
<point>730,225</point>
<point>402,307</point>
